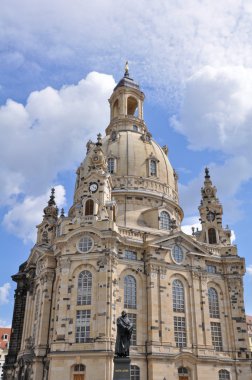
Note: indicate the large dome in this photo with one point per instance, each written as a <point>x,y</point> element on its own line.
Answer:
<point>142,178</point>
<point>132,156</point>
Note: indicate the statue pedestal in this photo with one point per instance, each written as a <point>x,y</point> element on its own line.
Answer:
<point>121,368</point>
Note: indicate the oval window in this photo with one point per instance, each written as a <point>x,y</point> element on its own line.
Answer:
<point>177,254</point>
<point>85,244</point>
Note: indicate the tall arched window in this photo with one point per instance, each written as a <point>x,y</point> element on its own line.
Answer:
<point>213,303</point>
<point>153,167</point>
<point>111,165</point>
<point>134,372</point>
<point>178,296</point>
<point>84,292</point>
<point>116,108</point>
<point>132,106</point>
<point>130,292</point>
<point>224,374</point>
<point>89,207</point>
<point>183,373</point>
<point>212,236</point>
<point>164,220</point>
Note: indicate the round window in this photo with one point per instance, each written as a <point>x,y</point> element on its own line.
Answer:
<point>177,254</point>
<point>85,244</point>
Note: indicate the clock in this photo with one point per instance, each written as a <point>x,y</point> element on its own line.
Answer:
<point>93,187</point>
<point>210,216</point>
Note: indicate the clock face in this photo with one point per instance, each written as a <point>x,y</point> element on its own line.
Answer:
<point>93,187</point>
<point>210,216</point>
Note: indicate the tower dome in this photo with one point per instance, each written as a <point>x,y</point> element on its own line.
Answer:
<point>144,184</point>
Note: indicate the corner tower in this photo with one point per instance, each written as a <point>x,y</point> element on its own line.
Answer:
<point>211,216</point>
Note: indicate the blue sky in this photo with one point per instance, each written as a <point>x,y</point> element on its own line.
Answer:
<point>59,62</point>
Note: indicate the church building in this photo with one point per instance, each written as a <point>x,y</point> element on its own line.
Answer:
<point>121,247</point>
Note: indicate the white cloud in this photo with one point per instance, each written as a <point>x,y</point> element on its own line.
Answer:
<point>4,293</point>
<point>249,270</point>
<point>217,112</point>
<point>184,37</point>
<point>48,134</point>
<point>190,222</point>
<point>222,177</point>
<point>22,218</point>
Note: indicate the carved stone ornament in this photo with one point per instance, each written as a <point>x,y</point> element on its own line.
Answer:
<point>41,265</point>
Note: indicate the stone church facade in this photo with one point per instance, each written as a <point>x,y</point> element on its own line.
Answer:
<point>121,248</point>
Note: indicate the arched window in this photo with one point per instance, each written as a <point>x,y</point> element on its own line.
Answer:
<point>213,303</point>
<point>130,292</point>
<point>153,167</point>
<point>79,368</point>
<point>182,371</point>
<point>212,236</point>
<point>78,372</point>
<point>164,220</point>
<point>134,372</point>
<point>111,165</point>
<point>89,207</point>
<point>132,106</point>
<point>224,374</point>
<point>84,291</point>
<point>116,108</point>
<point>178,296</point>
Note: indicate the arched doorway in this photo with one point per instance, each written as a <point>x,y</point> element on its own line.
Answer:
<point>79,372</point>
<point>183,373</point>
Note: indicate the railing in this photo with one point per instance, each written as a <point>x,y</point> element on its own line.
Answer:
<point>146,184</point>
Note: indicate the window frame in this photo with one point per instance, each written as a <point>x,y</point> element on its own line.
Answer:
<point>212,238</point>
<point>84,294</point>
<point>210,268</point>
<point>216,335</point>
<point>164,223</point>
<point>178,296</point>
<point>130,255</point>
<point>133,318</point>
<point>224,374</point>
<point>130,292</point>
<point>89,246</point>
<point>136,375</point>
<point>180,336</point>
<point>213,303</point>
<point>178,255</point>
<point>83,326</point>
<point>89,207</point>
<point>113,161</point>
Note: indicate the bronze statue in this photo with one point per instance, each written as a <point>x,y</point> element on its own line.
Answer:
<point>124,332</point>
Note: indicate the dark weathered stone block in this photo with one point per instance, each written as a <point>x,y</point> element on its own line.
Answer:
<point>121,368</point>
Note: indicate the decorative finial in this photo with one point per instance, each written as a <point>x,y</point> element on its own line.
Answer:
<point>51,201</point>
<point>126,68</point>
<point>207,176</point>
<point>99,140</point>
<point>62,213</point>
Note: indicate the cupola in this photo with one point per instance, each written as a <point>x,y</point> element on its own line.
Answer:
<point>126,106</point>
<point>211,216</point>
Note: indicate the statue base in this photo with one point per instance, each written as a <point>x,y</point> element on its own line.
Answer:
<point>121,368</point>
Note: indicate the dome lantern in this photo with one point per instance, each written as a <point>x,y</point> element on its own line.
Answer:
<point>126,106</point>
